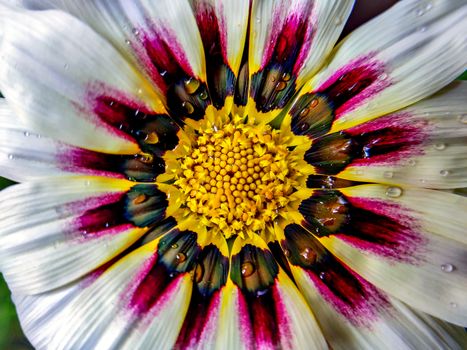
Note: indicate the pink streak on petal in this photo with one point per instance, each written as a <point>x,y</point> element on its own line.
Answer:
<point>361,69</point>
<point>290,36</point>
<point>396,235</point>
<point>366,304</point>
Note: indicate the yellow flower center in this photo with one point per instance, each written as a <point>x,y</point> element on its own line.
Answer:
<point>237,177</point>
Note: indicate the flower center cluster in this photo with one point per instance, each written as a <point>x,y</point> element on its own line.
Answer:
<point>236,178</point>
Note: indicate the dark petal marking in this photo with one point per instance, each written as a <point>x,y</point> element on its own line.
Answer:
<point>328,182</point>
<point>380,228</point>
<point>330,154</point>
<point>253,269</point>
<point>353,297</point>
<point>138,123</point>
<point>187,97</point>
<point>145,205</point>
<point>141,206</point>
<point>221,79</point>
<point>163,268</point>
<point>312,115</point>
<point>210,275</point>
<point>384,140</point>
<point>354,84</point>
<point>274,84</point>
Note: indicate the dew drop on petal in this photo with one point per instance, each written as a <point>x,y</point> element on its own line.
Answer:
<point>444,172</point>
<point>412,162</point>
<point>322,275</point>
<point>447,267</point>
<point>314,102</point>
<point>65,66</point>
<point>286,76</point>
<point>180,257</point>
<point>26,133</point>
<point>247,269</point>
<point>188,107</point>
<point>199,271</point>
<point>303,112</point>
<point>383,76</point>
<point>308,255</point>
<point>463,118</point>
<point>203,95</point>
<point>174,246</point>
<point>388,174</point>
<point>281,86</point>
<point>127,42</point>
<point>453,305</point>
<point>393,192</point>
<point>439,146</point>
<point>287,253</point>
<point>191,85</point>
<point>140,199</point>
<point>87,183</point>
<point>338,21</point>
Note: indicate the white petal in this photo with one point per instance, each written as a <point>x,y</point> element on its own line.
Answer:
<point>96,312</point>
<point>41,238</point>
<point>391,328</point>
<point>427,143</point>
<point>51,78</point>
<point>432,277</point>
<point>289,41</point>
<point>398,58</point>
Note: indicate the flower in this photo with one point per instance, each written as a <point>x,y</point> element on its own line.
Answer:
<point>214,174</point>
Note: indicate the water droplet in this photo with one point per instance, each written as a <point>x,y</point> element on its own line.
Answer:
<point>428,6</point>
<point>260,293</point>
<point>314,102</point>
<point>303,112</point>
<point>447,267</point>
<point>188,107</point>
<point>247,269</point>
<point>439,146</point>
<point>107,224</point>
<point>191,85</point>
<point>412,162</point>
<point>11,156</point>
<point>84,233</point>
<point>140,199</point>
<point>135,31</point>
<point>388,174</point>
<point>286,76</point>
<point>322,275</point>
<point>174,246</point>
<point>444,172</point>
<point>463,118</point>
<point>140,91</point>
<point>87,183</point>
<point>383,76</point>
<point>281,86</point>
<point>394,192</point>
<point>26,133</point>
<point>127,42</point>
<point>419,12</point>
<point>199,271</point>
<point>287,253</point>
<point>65,66</point>
<point>308,255</point>
<point>180,257</point>
<point>338,21</point>
<point>453,305</point>
<point>151,138</point>
<point>203,95</point>
<point>258,19</point>
<point>304,126</point>
<point>422,29</point>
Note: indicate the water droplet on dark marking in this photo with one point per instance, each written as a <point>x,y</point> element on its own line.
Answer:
<point>247,269</point>
<point>140,199</point>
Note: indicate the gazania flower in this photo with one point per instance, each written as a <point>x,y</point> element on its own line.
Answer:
<point>216,174</point>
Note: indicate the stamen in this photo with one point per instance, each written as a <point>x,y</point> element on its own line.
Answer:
<point>237,177</point>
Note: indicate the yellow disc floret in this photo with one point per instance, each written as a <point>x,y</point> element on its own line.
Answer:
<point>236,177</point>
